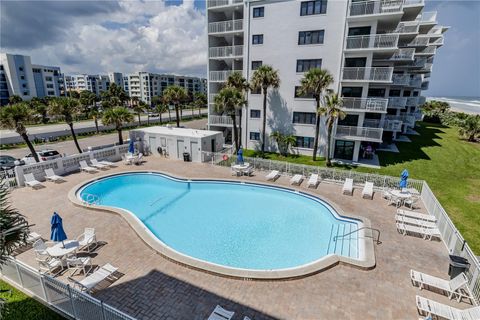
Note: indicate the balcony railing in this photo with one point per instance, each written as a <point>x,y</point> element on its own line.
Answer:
<point>403,54</point>
<point>387,125</point>
<point>405,118</point>
<point>413,2</point>
<point>418,42</point>
<point>220,76</point>
<point>225,52</point>
<point>412,101</point>
<point>407,28</point>
<point>225,26</point>
<point>427,17</point>
<point>211,97</point>
<point>367,104</point>
<point>225,121</point>
<point>360,8</point>
<point>359,133</point>
<point>425,85</point>
<point>430,50</point>
<point>376,41</point>
<point>419,62</point>
<point>401,79</point>
<point>397,102</point>
<point>416,81</point>
<point>382,74</point>
<point>218,3</point>
<point>421,100</point>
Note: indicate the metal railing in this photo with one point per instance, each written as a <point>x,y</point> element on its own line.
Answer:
<point>223,52</point>
<point>9,178</point>
<point>226,121</point>
<point>418,42</point>
<point>220,76</point>
<point>58,295</point>
<point>407,27</point>
<point>430,50</point>
<point>403,54</point>
<point>421,100</point>
<point>416,81</point>
<point>360,8</point>
<point>412,101</point>
<point>387,125</point>
<point>377,240</point>
<point>216,3</point>
<point>359,133</point>
<point>375,41</point>
<point>225,26</point>
<point>397,102</point>
<point>367,104</point>
<point>401,79</point>
<point>427,17</point>
<point>383,74</point>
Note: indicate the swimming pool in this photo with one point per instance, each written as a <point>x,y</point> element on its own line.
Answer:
<point>230,224</point>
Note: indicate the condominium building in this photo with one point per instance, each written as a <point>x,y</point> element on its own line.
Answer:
<point>49,81</point>
<point>117,78</point>
<point>380,54</point>
<point>93,83</point>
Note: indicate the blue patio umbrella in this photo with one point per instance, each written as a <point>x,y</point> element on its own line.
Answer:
<point>240,156</point>
<point>57,232</point>
<point>131,147</point>
<point>403,178</point>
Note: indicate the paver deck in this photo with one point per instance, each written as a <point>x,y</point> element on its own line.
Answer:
<point>154,287</point>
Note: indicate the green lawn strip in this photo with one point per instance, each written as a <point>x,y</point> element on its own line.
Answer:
<point>22,307</point>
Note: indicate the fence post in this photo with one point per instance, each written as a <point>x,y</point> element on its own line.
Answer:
<point>42,284</point>
<point>19,274</point>
<point>71,301</point>
<point>103,311</point>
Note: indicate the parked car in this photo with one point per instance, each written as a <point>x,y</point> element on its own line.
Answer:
<point>153,114</point>
<point>9,162</point>
<point>43,155</point>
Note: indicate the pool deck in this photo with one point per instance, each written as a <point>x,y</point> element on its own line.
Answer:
<point>153,287</point>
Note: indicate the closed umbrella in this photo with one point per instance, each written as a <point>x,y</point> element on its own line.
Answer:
<point>403,179</point>
<point>240,156</point>
<point>131,147</point>
<point>57,233</point>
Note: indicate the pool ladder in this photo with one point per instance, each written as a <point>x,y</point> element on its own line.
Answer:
<point>91,199</point>
<point>377,240</point>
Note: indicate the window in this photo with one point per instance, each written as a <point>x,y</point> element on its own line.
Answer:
<point>20,68</point>
<point>22,77</point>
<point>349,120</point>
<point>359,31</point>
<point>256,64</point>
<point>258,12</point>
<point>305,65</point>
<point>352,92</point>
<point>304,142</point>
<point>394,93</point>
<point>304,117</point>
<point>311,37</point>
<point>305,96</point>
<point>254,113</point>
<point>257,39</point>
<point>50,85</point>
<point>25,93</point>
<point>48,78</point>
<point>255,136</point>
<point>24,85</point>
<point>308,8</point>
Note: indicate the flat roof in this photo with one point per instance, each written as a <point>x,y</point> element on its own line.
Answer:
<point>174,131</point>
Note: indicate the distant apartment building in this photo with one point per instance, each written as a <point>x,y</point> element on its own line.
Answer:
<point>117,78</point>
<point>49,81</point>
<point>380,54</point>
<point>93,83</point>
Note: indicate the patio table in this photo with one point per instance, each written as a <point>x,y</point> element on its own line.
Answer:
<point>59,251</point>
<point>241,168</point>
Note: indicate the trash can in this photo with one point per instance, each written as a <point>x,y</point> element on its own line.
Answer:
<point>457,265</point>
<point>186,157</point>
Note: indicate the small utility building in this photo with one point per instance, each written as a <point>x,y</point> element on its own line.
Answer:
<point>174,142</point>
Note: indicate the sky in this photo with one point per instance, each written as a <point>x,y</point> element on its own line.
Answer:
<point>170,36</point>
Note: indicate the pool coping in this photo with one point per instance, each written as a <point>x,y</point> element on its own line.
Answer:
<point>368,262</point>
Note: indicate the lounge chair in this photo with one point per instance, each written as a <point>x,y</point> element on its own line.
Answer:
<point>98,165</point>
<point>31,181</point>
<point>415,221</point>
<point>79,263</point>
<point>368,190</point>
<point>296,179</point>
<point>313,180</point>
<point>221,314</point>
<point>139,159</point>
<point>51,176</point>
<point>90,282</point>
<point>430,307</point>
<point>273,175</point>
<point>49,265</point>
<point>40,248</point>
<point>107,163</point>
<point>416,215</point>
<point>386,194</point>
<point>87,238</point>
<point>33,237</point>
<point>397,201</point>
<point>457,287</point>
<point>348,186</point>
<point>410,202</point>
<point>85,167</point>
<point>426,233</point>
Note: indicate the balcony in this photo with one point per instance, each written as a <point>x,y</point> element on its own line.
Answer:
<point>412,101</point>
<point>414,3</point>
<point>387,125</point>
<point>377,41</point>
<point>359,133</point>
<point>407,118</point>
<point>418,42</point>
<point>425,85</point>
<point>223,121</point>
<point>374,74</point>
<point>405,54</point>
<point>428,51</point>
<point>225,26</point>
<point>365,104</point>
<point>407,28</point>
<point>219,3</point>
<point>427,18</point>
<point>421,100</point>
<point>397,102</point>
<point>416,81</point>
<point>220,76</point>
<point>226,52</point>
<point>211,98</point>
<point>362,8</point>
<point>401,79</point>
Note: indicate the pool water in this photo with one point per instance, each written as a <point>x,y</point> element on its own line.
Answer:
<point>245,226</point>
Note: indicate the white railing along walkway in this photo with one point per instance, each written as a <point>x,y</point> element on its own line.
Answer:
<point>403,54</point>
<point>375,41</point>
<point>367,104</point>
<point>359,133</point>
<point>224,52</point>
<point>382,74</point>
<point>360,8</point>
<point>225,26</point>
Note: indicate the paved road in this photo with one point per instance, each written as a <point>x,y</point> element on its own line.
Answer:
<point>62,129</point>
<point>68,147</point>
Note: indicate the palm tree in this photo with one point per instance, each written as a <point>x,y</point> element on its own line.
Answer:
<point>114,96</point>
<point>161,108</point>
<point>470,128</point>
<point>175,95</point>
<point>38,104</point>
<point>117,116</point>
<point>283,141</point>
<point>236,80</point>
<point>14,117</point>
<point>68,108</point>
<point>315,82</point>
<point>87,100</point>
<point>200,101</point>
<point>139,108</point>
<point>332,111</point>
<point>263,78</point>
<point>95,114</point>
<point>14,99</point>
<point>227,101</point>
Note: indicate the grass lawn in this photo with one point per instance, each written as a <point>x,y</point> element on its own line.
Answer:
<point>450,166</point>
<point>23,307</point>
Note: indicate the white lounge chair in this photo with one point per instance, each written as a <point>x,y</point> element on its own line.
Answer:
<point>31,181</point>
<point>90,282</point>
<point>221,314</point>
<point>415,221</point>
<point>49,265</point>
<point>79,263</point>
<point>368,190</point>
<point>426,233</point>
<point>96,164</point>
<point>410,202</point>
<point>296,179</point>
<point>273,175</point>
<point>348,186</point>
<point>313,180</point>
<point>40,248</point>
<point>51,176</point>
<point>87,238</point>
<point>85,167</point>
<point>139,159</point>
<point>430,307</point>
<point>457,287</point>
<point>416,215</point>
<point>107,163</point>
<point>33,236</point>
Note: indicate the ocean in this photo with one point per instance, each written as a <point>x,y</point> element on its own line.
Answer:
<point>461,104</point>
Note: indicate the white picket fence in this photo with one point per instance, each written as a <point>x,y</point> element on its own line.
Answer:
<point>58,295</point>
